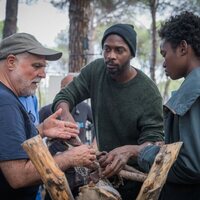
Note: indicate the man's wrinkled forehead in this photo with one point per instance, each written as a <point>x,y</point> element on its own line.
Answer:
<point>36,61</point>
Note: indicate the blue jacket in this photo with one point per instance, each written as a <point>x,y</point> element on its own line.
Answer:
<point>182,123</point>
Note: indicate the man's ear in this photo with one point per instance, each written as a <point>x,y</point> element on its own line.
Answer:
<point>183,48</point>
<point>11,59</point>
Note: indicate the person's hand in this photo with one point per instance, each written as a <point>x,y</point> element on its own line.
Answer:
<point>159,143</point>
<point>82,156</point>
<point>55,128</point>
<point>65,114</point>
<point>114,161</point>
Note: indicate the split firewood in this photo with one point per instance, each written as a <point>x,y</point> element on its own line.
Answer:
<point>56,183</point>
<point>164,160</point>
<point>53,178</point>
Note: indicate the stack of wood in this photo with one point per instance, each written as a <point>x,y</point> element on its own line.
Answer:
<point>56,183</point>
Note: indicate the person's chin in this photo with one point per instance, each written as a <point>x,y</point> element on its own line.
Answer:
<point>111,72</point>
<point>31,92</point>
<point>167,73</point>
<point>113,76</point>
<point>111,69</point>
<point>171,76</point>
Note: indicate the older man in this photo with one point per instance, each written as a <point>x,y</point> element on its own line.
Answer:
<point>22,66</point>
<point>126,104</point>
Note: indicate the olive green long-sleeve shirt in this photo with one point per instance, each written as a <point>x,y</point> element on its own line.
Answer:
<point>123,113</point>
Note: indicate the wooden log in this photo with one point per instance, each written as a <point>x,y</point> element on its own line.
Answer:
<point>95,193</point>
<point>103,190</point>
<point>167,155</point>
<point>53,178</point>
<point>132,169</point>
<point>134,176</point>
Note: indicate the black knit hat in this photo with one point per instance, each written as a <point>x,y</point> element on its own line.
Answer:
<point>126,31</point>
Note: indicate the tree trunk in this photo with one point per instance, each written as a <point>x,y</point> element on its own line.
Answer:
<point>79,16</point>
<point>91,34</point>
<point>10,24</point>
<point>153,8</point>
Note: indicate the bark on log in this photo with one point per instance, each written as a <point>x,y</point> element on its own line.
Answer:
<point>134,176</point>
<point>53,178</point>
<point>132,169</point>
<point>165,158</point>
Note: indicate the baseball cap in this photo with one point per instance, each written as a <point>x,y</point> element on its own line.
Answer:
<point>24,42</point>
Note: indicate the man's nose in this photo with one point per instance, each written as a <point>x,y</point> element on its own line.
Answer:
<point>111,55</point>
<point>42,72</point>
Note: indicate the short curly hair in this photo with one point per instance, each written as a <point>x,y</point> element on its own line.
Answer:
<point>185,26</point>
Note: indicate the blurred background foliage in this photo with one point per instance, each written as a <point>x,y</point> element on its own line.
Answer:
<point>86,20</point>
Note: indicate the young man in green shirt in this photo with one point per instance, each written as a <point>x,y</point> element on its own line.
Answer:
<point>126,104</point>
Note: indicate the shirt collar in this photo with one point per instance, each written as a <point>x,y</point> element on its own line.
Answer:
<point>186,95</point>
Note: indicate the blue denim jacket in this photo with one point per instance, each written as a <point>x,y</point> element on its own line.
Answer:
<point>182,123</point>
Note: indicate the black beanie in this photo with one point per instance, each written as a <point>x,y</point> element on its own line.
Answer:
<point>126,31</point>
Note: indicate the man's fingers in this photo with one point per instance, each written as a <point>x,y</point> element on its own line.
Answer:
<point>67,136</point>
<point>92,158</point>
<point>70,125</point>
<point>102,159</point>
<point>112,168</point>
<point>57,113</point>
<point>105,161</point>
<point>68,129</point>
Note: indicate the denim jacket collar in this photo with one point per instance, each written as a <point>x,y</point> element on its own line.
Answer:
<point>186,95</point>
